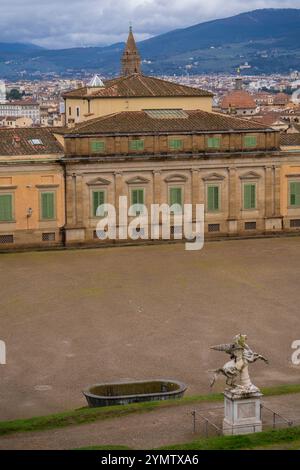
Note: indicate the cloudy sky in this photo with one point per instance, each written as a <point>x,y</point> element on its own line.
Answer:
<point>69,23</point>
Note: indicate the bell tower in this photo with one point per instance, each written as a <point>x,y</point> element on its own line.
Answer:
<point>131,61</point>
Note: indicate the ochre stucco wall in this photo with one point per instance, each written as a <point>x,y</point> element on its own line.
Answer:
<point>286,171</point>
<point>105,106</point>
<point>26,182</point>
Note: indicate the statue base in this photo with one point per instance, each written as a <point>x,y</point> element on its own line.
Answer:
<point>242,410</point>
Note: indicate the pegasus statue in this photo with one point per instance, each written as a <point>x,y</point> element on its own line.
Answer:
<point>237,368</point>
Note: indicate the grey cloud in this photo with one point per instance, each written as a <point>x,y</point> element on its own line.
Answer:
<point>59,24</point>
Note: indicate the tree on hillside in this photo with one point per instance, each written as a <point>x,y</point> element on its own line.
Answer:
<point>14,94</point>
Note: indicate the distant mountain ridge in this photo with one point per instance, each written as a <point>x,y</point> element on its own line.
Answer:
<point>269,39</point>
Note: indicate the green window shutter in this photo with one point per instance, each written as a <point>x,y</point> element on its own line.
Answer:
<point>97,146</point>
<point>175,196</point>
<point>47,205</point>
<point>176,144</point>
<point>6,207</point>
<point>136,144</point>
<point>249,196</point>
<point>214,142</point>
<point>295,193</point>
<point>250,141</point>
<point>98,199</point>
<point>137,196</point>
<point>213,198</point>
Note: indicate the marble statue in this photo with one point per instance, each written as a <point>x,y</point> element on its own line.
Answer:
<point>237,368</point>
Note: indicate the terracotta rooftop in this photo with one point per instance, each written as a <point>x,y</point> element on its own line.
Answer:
<point>238,99</point>
<point>130,122</point>
<point>281,98</point>
<point>28,141</point>
<point>290,140</point>
<point>137,85</point>
<point>268,119</point>
<point>22,103</point>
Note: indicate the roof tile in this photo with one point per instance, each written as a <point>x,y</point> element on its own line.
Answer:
<point>129,122</point>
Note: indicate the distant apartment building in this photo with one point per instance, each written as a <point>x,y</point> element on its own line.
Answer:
<point>2,92</point>
<point>15,122</point>
<point>23,108</point>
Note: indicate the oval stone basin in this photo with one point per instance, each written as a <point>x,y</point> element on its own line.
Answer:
<point>122,393</point>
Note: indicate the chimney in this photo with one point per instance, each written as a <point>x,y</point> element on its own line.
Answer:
<point>16,141</point>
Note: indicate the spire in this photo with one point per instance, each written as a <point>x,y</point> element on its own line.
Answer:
<point>131,61</point>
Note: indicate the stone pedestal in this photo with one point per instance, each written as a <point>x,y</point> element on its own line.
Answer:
<point>242,412</point>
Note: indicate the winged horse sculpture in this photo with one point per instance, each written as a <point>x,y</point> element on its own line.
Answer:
<point>240,356</point>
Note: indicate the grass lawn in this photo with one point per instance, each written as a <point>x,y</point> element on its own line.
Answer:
<point>280,438</point>
<point>89,415</point>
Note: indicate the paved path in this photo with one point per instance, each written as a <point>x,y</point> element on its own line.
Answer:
<point>142,431</point>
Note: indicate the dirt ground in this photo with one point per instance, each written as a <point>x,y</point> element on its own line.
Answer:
<point>73,318</point>
<point>160,427</point>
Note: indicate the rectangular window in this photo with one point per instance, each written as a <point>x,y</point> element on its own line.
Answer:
<point>6,209</point>
<point>136,144</point>
<point>213,142</point>
<point>97,146</point>
<point>249,196</point>
<point>70,111</point>
<point>294,193</point>
<point>250,141</point>
<point>295,223</point>
<point>176,144</point>
<point>98,199</point>
<point>213,202</point>
<point>77,112</point>
<point>175,196</point>
<point>250,225</point>
<point>137,197</point>
<point>47,205</point>
<point>48,237</point>
<point>6,238</point>
<point>214,227</point>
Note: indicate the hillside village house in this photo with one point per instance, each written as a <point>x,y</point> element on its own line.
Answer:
<point>52,180</point>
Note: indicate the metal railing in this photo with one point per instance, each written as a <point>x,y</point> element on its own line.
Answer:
<point>277,420</point>
<point>289,422</point>
<point>207,423</point>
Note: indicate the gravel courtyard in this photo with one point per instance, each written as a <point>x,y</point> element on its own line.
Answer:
<point>73,318</point>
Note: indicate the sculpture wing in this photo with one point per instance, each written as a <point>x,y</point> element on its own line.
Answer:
<point>228,348</point>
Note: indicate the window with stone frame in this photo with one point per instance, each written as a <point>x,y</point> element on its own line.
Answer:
<point>213,198</point>
<point>137,198</point>
<point>6,207</point>
<point>98,198</point>
<point>47,207</point>
<point>249,196</point>
<point>294,193</point>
